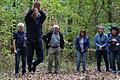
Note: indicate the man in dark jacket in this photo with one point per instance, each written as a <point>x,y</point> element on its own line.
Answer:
<point>54,43</point>
<point>34,20</point>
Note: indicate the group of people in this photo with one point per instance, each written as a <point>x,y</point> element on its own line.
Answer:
<point>26,44</point>
<point>107,45</point>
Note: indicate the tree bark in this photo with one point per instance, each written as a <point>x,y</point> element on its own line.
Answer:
<point>109,11</point>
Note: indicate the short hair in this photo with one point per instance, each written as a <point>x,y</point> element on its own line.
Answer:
<point>56,26</point>
<point>19,25</point>
<point>100,27</point>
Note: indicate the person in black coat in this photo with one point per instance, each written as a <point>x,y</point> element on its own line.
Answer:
<point>34,21</point>
<point>55,44</point>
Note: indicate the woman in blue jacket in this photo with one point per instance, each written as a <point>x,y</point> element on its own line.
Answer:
<point>81,44</point>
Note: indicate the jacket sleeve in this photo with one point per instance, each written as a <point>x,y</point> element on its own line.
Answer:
<point>95,41</point>
<point>45,38</point>
<point>43,17</point>
<point>61,41</point>
<point>88,44</point>
<point>76,44</point>
<point>15,35</point>
<point>28,17</point>
<point>119,38</point>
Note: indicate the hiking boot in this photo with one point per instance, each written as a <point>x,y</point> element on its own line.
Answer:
<point>49,72</point>
<point>114,72</point>
<point>99,70</point>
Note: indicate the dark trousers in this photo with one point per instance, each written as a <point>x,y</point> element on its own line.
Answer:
<point>99,54</point>
<point>37,46</point>
<point>115,58</point>
<point>110,58</point>
<point>21,52</point>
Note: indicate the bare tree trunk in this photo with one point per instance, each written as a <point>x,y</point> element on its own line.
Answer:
<point>80,6</point>
<point>109,11</point>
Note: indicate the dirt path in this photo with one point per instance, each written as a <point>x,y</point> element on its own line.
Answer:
<point>64,74</point>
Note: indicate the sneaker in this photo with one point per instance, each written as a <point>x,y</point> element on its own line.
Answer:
<point>32,73</point>
<point>99,70</point>
<point>16,75</point>
<point>107,70</point>
<point>24,75</point>
<point>49,72</point>
<point>114,72</point>
<point>77,71</point>
<point>56,72</point>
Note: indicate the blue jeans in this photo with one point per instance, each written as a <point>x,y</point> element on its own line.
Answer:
<point>115,58</point>
<point>21,52</point>
<point>81,57</point>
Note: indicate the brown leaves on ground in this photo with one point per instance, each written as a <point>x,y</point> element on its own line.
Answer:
<point>65,73</point>
<point>67,76</point>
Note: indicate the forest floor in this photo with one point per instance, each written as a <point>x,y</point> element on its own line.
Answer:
<point>67,72</point>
